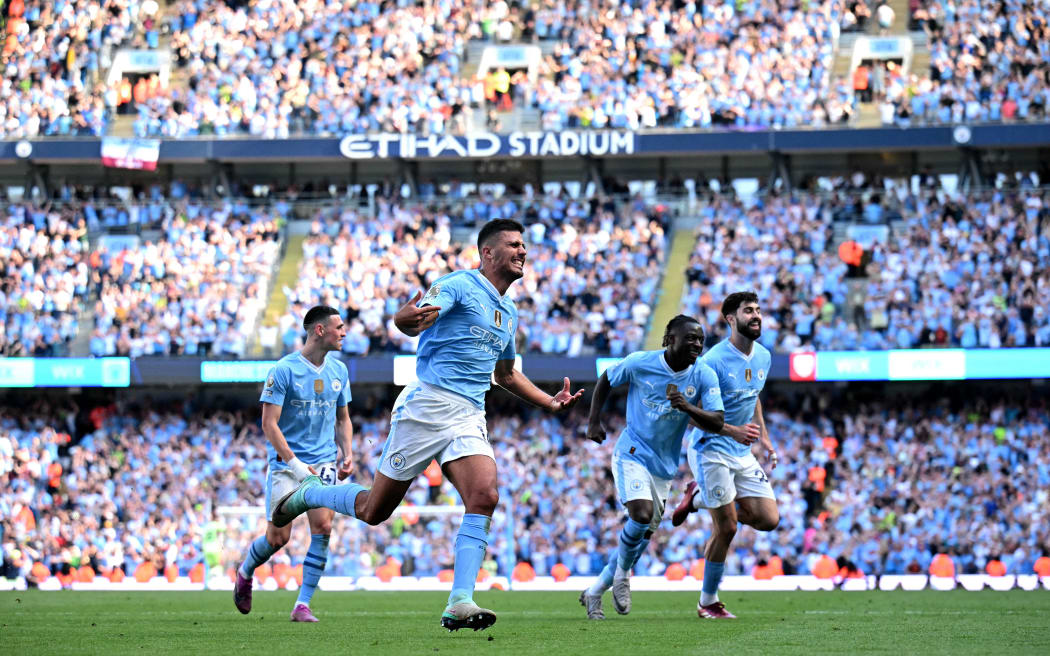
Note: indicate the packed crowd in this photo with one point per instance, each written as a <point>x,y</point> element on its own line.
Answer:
<point>885,484</point>
<point>51,62</point>
<point>198,290</point>
<point>969,271</point>
<point>43,277</point>
<point>591,278</point>
<point>761,63</point>
<point>277,68</point>
<point>988,62</point>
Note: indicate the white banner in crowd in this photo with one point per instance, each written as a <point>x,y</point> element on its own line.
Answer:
<point>139,154</point>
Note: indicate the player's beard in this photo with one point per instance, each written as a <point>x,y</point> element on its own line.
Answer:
<point>752,333</point>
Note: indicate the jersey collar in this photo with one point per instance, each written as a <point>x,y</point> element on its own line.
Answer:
<point>747,358</point>
<point>669,370</point>
<point>311,364</point>
<point>487,284</point>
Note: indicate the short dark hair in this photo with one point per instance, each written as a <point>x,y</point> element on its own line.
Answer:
<point>735,300</point>
<point>317,314</point>
<point>681,320</point>
<point>495,227</point>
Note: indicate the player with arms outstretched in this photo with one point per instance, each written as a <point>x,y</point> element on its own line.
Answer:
<point>467,324</point>
<point>306,423</point>
<point>729,480</point>
<point>666,389</point>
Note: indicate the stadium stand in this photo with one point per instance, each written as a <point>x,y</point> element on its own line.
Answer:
<point>53,56</point>
<point>280,68</point>
<point>45,277</point>
<point>885,485</point>
<point>967,270</point>
<point>988,62</point>
<point>691,65</point>
<point>198,290</point>
<point>594,265</point>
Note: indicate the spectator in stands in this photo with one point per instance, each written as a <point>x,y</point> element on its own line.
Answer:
<point>898,482</point>
<point>593,270</point>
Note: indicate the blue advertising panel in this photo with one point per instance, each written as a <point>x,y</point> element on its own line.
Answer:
<point>65,372</point>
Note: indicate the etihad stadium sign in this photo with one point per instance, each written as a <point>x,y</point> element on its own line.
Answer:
<point>489,144</point>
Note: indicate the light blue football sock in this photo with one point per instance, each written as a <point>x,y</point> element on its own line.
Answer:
<point>630,539</point>
<point>712,578</point>
<point>605,577</point>
<point>259,551</point>
<point>339,498</point>
<point>471,541</point>
<point>313,567</point>
<point>642,546</point>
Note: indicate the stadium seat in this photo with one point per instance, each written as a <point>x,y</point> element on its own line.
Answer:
<point>523,572</point>
<point>263,572</point>
<point>825,568</point>
<point>697,569</point>
<point>675,572</point>
<point>145,572</point>
<point>560,572</point>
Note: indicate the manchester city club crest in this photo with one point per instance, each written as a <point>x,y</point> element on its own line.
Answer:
<point>337,385</point>
<point>761,374</point>
<point>398,461</point>
<point>636,485</point>
<point>718,492</point>
<point>690,391</point>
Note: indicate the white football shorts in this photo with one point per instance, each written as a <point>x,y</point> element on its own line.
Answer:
<point>634,481</point>
<point>282,481</point>
<point>722,478</point>
<point>427,423</point>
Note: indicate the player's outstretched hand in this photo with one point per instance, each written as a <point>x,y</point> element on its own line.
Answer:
<point>596,433</point>
<point>346,467</point>
<point>413,320</point>
<point>565,399</point>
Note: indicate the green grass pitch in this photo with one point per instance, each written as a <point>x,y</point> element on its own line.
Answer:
<point>533,623</point>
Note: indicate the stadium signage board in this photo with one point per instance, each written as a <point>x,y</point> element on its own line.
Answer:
<point>920,364</point>
<point>546,144</point>
<point>488,144</point>
<point>65,372</point>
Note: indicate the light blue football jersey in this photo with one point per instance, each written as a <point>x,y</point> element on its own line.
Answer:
<point>654,430</point>
<point>474,330</point>
<point>308,397</point>
<point>741,379</point>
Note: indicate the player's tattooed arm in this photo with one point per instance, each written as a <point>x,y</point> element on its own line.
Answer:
<point>595,430</point>
<point>708,420</point>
